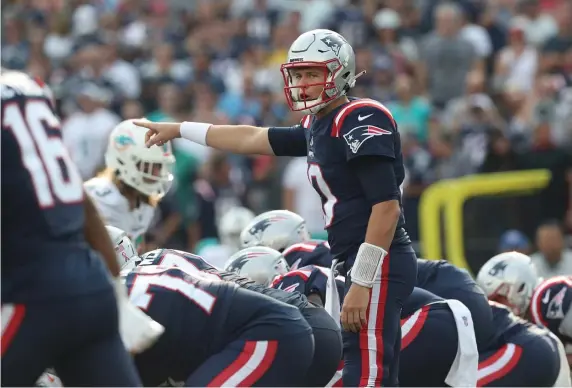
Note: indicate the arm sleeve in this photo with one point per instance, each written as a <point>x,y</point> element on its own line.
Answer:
<point>377,178</point>
<point>289,282</point>
<point>288,141</point>
<point>369,131</point>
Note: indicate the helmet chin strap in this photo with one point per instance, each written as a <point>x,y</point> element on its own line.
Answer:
<point>352,82</point>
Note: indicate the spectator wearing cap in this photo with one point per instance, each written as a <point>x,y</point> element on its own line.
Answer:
<point>514,240</point>
<point>552,258</point>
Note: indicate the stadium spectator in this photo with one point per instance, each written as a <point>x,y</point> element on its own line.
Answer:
<point>552,258</point>
<point>475,86</point>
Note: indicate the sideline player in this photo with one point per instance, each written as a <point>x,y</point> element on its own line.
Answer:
<point>59,308</point>
<point>135,179</point>
<point>355,164</point>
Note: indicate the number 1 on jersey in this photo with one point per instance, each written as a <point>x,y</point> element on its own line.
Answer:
<point>52,172</point>
<point>328,199</point>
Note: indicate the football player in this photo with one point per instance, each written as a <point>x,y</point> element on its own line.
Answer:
<point>286,232</point>
<point>525,356</point>
<point>427,322</point>
<point>59,306</point>
<point>327,337</point>
<point>449,282</point>
<point>135,179</point>
<point>217,333</point>
<point>510,279</point>
<point>550,306</point>
<point>355,164</point>
<point>262,265</point>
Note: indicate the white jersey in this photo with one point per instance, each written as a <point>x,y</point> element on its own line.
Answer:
<point>114,209</point>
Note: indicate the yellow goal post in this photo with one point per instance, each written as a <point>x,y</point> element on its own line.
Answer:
<point>449,196</point>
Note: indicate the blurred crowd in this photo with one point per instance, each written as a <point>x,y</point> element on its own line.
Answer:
<point>475,86</point>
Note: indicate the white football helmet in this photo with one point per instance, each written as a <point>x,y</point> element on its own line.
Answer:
<point>260,264</point>
<point>511,276</point>
<point>231,225</point>
<point>276,229</point>
<point>147,170</point>
<point>124,249</point>
<point>319,48</point>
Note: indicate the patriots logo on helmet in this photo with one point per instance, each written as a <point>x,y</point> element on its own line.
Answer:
<point>498,269</point>
<point>334,43</point>
<point>357,136</point>
<point>555,307</point>
<point>237,264</point>
<point>259,228</point>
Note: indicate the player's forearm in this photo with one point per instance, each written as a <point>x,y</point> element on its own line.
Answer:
<point>238,139</point>
<point>97,236</point>
<point>382,223</point>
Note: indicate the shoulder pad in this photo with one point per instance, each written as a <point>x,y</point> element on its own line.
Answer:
<point>551,301</point>
<point>357,106</point>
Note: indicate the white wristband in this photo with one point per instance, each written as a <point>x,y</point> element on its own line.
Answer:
<point>367,265</point>
<point>195,132</point>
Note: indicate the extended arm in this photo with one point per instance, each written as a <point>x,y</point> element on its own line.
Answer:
<point>239,139</point>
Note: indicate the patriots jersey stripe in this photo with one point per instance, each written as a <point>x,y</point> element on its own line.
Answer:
<point>349,108</point>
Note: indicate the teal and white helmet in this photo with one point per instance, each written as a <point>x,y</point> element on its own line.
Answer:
<point>319,48</point>
<point>147,170</point>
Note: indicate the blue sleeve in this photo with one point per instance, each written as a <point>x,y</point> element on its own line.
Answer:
<point>368,131</point>
<point>377,178</point>
<point>288,141</point>
<point>292,281</point>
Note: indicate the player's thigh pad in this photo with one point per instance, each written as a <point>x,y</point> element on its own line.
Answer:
<point>527,361</point>
<point>429,344</point>
<point>270,363</point>
<point>327,347</point>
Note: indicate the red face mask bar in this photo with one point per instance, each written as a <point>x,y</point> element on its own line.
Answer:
<point>296,94</point>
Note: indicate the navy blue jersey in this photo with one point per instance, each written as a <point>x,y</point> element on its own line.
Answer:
<point>361,128</point>
<point>196,264</point>
<point>418,298</point>
<point>308,253</point>
<point>550,306</point>
<point>308,280</point>
<point>42,198</point>
<point>508,325</point>
<point>440,277</point>
<point>201,315</point>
